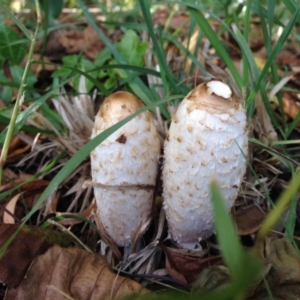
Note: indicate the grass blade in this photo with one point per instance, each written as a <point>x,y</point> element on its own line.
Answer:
<point>213,38</point>
<point>226,234</point>
<point>166,72</point>
<point>286,32</point>
<point>274,216</point>
<point>292,5</point>
<point>26,32</point>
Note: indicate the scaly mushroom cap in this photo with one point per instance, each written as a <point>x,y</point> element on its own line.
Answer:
<point>118,106</point>
<point>124,167</point>
<point>207,139</point>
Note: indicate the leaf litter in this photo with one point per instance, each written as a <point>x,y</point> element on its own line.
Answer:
<point>201,270</point>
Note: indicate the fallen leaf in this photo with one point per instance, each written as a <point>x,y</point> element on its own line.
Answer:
<point>288,58</point>
<point>283,277</point>
<point>248,219</point>
<point>28,244</point>
<point>37,184</point>
<point>290,106</point>
<point>75,274</point>
<point>87,41</point>
<point>40,63</point>
<point>10,210</point>
<point>86,213</point>
<point>211,279</point>
<point>162,17</point>
<point>93,43</point>
<point>185,265</point>
<point>53,50</point>
<point>18,152</point>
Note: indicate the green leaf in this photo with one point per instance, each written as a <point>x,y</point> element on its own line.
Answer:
<point>17,73</point>
<point>136,85</point>
<point>103,56</point>
<point>52,8</point>
<point>132,49</point>
<point>75,66</point>
<point>23,115</point>
<point>25,31</point>
<point>14,53</point>
<point>6,93</point>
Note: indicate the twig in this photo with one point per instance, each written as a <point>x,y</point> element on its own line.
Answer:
<point>65,230</point>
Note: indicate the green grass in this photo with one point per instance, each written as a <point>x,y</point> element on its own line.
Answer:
<point>251,81</point>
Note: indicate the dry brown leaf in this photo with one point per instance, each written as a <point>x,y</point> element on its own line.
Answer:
<point>28,244</point>
<point>288,58</point>
<point>10,210</point>
<point>53,50</point>
<point>18,152</point>
<point>93,43</point>
<point>284,274</point>
<point>40,65</point>
<point>15,143</point>
<point>290,106</point>
<point>267,131</point>
<point>281,271</point>
<point>86,213</point>
<point>216,277</point>
<point>87,41</point>
<point>248,219</point>
<point>191,44</point>
<point>37,184</point>
<point>162,17</point>
<point>75,273</point>
<point>186,265</point>
<point>9,175</point>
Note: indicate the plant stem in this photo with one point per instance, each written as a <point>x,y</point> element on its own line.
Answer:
<point>21,94</point>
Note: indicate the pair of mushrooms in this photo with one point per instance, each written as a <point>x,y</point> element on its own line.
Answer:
<point>207,139</point>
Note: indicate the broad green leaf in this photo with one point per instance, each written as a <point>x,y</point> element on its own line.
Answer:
<point>132,49</point>
<point>14,53</point>
<point>6,92</point>
<point>103,56</point>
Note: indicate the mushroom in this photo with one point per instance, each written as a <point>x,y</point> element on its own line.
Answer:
<point>207,140</point>
<point>124,168</point>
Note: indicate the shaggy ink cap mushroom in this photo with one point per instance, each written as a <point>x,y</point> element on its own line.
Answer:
<point>207,139</point>
<point>124,169</point>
